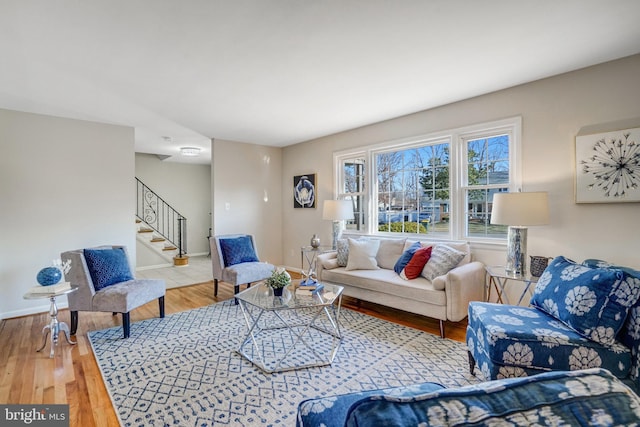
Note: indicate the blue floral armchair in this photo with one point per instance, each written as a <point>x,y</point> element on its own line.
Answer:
<point>581,316</point>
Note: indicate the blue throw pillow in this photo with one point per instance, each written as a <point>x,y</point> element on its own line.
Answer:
<point>406,257</point>
<point>237,250</point>
<point>592,301</point>
<point>107,266</point>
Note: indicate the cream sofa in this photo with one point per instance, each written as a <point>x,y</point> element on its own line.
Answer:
<point>446,297</point>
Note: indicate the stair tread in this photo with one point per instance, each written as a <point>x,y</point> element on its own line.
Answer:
<point>158,239</point>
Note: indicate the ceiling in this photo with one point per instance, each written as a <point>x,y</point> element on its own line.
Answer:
<point>278,72</point>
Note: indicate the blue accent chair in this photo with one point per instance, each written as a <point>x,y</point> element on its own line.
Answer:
<point>581,316</point>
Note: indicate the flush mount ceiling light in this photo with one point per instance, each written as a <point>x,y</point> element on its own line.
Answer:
<point>190,151</point>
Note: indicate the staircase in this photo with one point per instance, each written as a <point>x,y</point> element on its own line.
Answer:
<point>158,244</point>
<point>159,226</point>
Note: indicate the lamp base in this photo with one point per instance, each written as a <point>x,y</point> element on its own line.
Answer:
<point>516,251</point>
<point>337,232</point>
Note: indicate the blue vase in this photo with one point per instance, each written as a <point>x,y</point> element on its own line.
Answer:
<point>49,276</point>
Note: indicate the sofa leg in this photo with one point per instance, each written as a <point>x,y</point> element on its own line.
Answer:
<point>125,324</point>
<point>441,328</point>
<point>472,363</point>
<point>74,323</point>
<point>215,287</point>
<point>161,306</point>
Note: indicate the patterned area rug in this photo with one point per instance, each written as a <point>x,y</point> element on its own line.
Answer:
<point>184,370</point>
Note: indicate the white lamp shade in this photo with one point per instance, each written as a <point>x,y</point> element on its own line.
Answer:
<point>337,210</point>
<point>520,209</point>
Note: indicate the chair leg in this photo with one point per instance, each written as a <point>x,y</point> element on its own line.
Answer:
<point>236,289</point>
<point>125,324</point>
<point>161,305</point>
<point>472,363</point>
<point>74,323</point>
<point>215,287</point>
<point>441,328</point>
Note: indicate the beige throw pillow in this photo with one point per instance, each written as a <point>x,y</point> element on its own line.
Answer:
<point>362,255</point>
<point>389,252</point>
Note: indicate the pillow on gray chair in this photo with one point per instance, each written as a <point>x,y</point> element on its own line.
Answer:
<point>237,250</point>
<point>107,266</point>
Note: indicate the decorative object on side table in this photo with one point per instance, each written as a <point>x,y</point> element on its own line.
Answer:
<point>315,241</point>
<point>519,210</point>
<point>337,211</point>
<point>280,278</point>
<point>538,264</point>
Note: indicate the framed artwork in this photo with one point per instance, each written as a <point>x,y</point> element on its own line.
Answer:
<point>304,191</point>
<point>608,167</point>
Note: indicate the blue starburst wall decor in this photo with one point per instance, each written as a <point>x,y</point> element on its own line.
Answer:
<point>608,167</point>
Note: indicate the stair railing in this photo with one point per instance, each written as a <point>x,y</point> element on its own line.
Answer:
<point>161,217</point>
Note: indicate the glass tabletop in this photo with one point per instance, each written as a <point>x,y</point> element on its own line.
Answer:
<point>262,296</point>
<point>500,271</point>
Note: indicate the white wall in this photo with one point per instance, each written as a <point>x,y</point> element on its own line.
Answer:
<point>553,111</point>
<point>186,187</point>
<point>64,184</point>
<point>247,198</point>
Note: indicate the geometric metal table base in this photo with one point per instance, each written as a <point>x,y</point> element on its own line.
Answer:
<point>290,332</point>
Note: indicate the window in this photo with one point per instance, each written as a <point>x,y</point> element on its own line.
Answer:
<point>413,189</point>
<point>440,185</point>
<point>353,188</point>
<point>487,173</point>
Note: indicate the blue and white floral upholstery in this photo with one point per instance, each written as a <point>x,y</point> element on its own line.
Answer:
<point>331,411</point>
<point>511,341</point>
<point>586,397</point>
<point>583,316</point>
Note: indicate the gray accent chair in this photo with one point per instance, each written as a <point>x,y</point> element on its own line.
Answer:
<point>244,273</point>
<point>117,298</point>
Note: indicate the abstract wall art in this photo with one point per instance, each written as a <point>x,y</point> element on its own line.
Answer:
<point>304,191</point>
<point>608,167</point>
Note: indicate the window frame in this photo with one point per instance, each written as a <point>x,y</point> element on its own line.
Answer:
<point>458,163</point>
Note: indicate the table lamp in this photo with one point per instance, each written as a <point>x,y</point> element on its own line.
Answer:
<point>519,210</point>
<point>337,211</point>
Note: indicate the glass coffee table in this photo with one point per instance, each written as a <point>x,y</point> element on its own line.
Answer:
<point>293,331</point>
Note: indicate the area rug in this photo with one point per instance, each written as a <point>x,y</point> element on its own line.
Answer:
<point>184,370</point>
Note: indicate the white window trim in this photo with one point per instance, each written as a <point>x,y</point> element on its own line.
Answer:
<point>457,136</point>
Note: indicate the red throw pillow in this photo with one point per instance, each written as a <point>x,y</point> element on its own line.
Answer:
<point>414,267</point>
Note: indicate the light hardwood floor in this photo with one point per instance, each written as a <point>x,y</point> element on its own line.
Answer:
<point>72,376</point>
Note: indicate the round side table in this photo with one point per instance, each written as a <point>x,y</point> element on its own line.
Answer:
<point>54,327</point>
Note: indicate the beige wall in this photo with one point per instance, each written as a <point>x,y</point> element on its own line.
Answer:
<point>64,184</point>
<point>247,197</point>
<point>553,111</point>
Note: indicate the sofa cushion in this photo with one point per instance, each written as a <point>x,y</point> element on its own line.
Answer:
<point>107,266</point>
<point>331,411</point>
<point>389,252</point>
<point>236,250</point>
<point>511,341</point>
<point>342,247</point>
<point>590,397</point>
<point>592,301</point>
<point>406,257</point>
<point>443,259</point>
<point>386,282</point>
<point>362,254</point>
<point>414,267</point>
